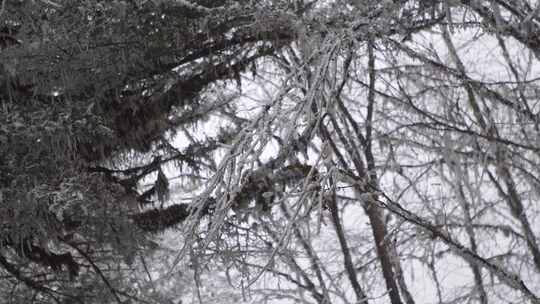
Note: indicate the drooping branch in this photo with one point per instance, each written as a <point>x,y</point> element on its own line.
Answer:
<point>25,249</point>
<point>12,269</point>
<point>157,220</point>
<point>505,276</point>
<point>261,186</point>
<point>526,32</point>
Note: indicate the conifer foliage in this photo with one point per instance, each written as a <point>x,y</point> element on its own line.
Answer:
<point>254,131</point>
<point>88,91</point>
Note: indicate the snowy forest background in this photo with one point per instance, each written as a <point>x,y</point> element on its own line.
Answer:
<point>269,151</point>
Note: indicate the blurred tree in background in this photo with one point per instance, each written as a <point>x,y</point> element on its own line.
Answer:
<point>288,151</point>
